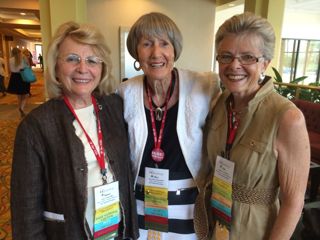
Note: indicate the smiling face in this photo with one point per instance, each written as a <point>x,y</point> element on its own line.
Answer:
<point>241,80</point>
<point>78,80</point>
<point>156,57</point>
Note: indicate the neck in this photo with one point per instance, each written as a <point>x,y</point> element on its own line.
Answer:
<point>78,103</point>
<point>159,89</point>
<point>238,104</point>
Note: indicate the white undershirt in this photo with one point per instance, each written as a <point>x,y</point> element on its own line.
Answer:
<point>88,120</point>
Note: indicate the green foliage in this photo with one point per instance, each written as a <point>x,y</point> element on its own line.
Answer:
<point>299,79</point>
<point>290,92</point>
<point>277,77</point>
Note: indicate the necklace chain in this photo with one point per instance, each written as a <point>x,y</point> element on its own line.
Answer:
<point>159,109</point>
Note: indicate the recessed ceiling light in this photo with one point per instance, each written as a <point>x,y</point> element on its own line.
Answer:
<point>23,14</point>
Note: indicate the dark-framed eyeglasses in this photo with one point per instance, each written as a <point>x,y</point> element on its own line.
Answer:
<point>74,60</point>
<point>245,59</point>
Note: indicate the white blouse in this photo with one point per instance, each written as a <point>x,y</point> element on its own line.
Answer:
<point>89,122</point>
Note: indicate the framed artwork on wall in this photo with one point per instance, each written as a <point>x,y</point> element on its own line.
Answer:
<point>126,61</point>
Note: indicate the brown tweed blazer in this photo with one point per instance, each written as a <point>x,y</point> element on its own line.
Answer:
<point>49,172</point>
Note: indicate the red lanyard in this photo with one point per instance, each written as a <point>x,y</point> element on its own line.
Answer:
<point>157,153</point>
<point>99,155</point>
<point>233,123</point>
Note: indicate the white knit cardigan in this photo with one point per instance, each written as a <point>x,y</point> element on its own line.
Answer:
<point>196,91</point>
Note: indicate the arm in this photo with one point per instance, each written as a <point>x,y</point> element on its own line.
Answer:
<point>292,146</point>
<point>27,187</point>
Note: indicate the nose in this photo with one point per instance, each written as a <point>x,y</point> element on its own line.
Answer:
<point>235,63</point>
<point>82,66</point>
<point>155,50</point>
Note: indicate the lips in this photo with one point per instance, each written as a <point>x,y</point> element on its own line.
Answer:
<point>77,80</point>
<point>237,77</point>
<point>157,65</point>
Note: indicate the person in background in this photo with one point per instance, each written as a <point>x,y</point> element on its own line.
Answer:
<point>165,109</point>
<point>16,84</point>
<point>40,59</point>
<point>2,75</point>
<point>256,137</point>
<point>71,166</point>
<point>29,56</point>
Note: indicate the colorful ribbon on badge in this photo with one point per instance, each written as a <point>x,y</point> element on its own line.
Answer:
<point>106,221</point>
<point>107,211</point>
<point>221,197</point>
<point>156,208</point>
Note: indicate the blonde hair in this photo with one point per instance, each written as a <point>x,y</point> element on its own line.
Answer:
<point>249,24</point>
<point>26,52</point>
<point>154,24</point>
<point>84,34</point>
<point>16,54</point>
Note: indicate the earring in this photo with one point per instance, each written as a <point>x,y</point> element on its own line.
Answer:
<point>135,67</point>
<point>261,78</point>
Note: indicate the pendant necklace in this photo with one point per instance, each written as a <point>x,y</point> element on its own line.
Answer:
<point>157,154</point>
<point>233,124</point>
<point>158,110</point>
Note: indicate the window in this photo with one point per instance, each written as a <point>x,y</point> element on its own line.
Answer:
<point>299,58</point>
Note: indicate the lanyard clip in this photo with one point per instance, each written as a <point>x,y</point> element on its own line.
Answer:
<point>104,175</point>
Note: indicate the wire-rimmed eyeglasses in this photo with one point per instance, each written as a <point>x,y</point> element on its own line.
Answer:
<point>74,60</point>
<point>245,59</point>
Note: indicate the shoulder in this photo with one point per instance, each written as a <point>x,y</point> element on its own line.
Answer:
<point>111,103</point>
<point>44,117</point>
<point>112,100</point>
<point>137,80</point>
<point>277,104</point>
<point>130,86</point>
<point>48,111</point>
<point>206,80</point>
<point>292,125</point>
<point>292,118</point>
<point>198,76</point>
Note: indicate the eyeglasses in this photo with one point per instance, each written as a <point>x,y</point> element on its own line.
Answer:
<point>74,60</point>
<point>245,59</point>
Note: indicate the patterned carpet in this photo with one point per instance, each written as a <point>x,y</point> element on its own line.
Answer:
<point>7,133</point>
<point>9,120</point>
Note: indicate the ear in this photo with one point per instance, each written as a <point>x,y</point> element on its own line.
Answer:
<point>265,64</point>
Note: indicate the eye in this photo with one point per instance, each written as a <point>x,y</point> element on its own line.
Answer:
<point>93,60</point>
<point>226,58</point>
<point>72,58</point>
<point>146,43</point>
<point>248,58</point>
<point>164,43</point>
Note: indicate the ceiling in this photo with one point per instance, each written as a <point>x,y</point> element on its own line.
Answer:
<point>24,22</point>
<point>20,22</point>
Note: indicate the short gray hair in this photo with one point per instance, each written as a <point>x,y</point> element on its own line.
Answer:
<point>248,23</point>
<point>154,24</point>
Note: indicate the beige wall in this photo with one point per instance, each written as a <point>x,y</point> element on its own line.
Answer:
<point>67,10</point>
<point>194,18</point>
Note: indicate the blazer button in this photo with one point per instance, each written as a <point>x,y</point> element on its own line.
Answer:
<point>252,144</point>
